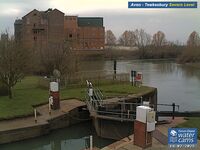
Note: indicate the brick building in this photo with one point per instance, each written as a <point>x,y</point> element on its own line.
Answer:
<point>40,29</point>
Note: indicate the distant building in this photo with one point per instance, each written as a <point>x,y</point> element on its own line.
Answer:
<point>40,29</point>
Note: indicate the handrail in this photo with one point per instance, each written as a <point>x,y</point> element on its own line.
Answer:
<point>116,109</point>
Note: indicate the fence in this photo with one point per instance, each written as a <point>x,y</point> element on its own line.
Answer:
<point>119,110</point>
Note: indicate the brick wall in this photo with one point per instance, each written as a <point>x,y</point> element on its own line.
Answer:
<point>40,29</point>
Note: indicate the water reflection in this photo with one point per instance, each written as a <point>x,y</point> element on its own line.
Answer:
<point>179,69</point>
<point>166,67</point>
<point>74,137</point>
<point>190,72</point>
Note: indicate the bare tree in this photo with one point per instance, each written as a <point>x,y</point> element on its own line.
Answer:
<point>159,39</point>
<point>61,58</point>
<point>110,38</point>
<point>127,38</point>
<point>193,40</point>
<point>142,39</point>
<point>13,63</point>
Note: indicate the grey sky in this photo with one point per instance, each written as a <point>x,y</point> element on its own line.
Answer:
<point>176,23</point>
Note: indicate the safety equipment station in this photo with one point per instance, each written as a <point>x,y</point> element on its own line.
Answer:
<point>144,125</point>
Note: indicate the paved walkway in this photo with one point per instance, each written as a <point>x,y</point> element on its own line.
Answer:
<point>65,107</point>
<point>127,143</point>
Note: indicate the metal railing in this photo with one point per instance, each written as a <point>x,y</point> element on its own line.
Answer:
<point>118,110</point>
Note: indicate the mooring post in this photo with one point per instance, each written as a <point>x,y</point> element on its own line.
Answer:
<point>91,142</point>
<point>173,113</point>
<point>132,76</point>
<point>115,68</point>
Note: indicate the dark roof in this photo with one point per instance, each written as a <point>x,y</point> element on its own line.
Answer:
<point>29,13</point>
<point>18,21</point>
<point>90,21</point>
<point>44,13</point>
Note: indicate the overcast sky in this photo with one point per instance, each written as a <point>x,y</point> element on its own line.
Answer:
<point>176,23</point>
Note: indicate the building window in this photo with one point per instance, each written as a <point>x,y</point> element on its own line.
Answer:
<point>34,24</point>
<point>36,31</point>
<point>34,14</point>
<point>70,35</point>
<point>35,38</point>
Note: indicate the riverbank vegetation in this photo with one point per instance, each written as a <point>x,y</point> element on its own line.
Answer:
<point>141,45</point>
<point>28,93</point>
<point>190,55</point>
<point>192,122</point>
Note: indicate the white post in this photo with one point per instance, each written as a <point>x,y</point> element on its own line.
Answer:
<point>91,142</point>
<point>35,113</point>
<point>49,107</point>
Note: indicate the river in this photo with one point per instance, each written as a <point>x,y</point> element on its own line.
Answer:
<point>175,83</point>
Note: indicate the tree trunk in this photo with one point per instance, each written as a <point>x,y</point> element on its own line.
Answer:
<point>10,92</point>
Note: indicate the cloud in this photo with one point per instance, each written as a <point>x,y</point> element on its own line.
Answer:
<point>9,11</point>
<point>19,8</point>
<point>78,6</point>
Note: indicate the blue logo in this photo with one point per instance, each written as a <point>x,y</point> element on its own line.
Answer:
<point>182,137</point>
<point>162,4</point>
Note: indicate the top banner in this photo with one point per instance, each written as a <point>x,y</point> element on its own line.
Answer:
<point>162,4</point>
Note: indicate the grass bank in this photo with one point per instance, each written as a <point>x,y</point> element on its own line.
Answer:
<point>192,122</point>
<point>27,93</point>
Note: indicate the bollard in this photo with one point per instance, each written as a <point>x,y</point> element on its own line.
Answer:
<point>35,113</point>
<point>91,142</point>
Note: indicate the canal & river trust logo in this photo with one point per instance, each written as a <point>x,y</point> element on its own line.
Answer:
<point>182,137</point>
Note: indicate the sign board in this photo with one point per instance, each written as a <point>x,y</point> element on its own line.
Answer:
<point>182,137</point>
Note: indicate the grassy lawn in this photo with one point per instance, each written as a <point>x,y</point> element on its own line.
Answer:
<point>192,122</point>
<point>27,93</point>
